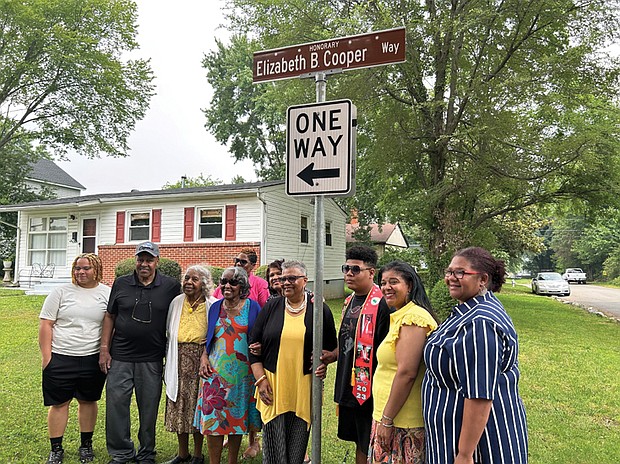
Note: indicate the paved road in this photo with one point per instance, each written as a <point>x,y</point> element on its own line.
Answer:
<point>604,299</point>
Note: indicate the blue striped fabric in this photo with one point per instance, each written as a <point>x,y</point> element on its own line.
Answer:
<point>473,354</point>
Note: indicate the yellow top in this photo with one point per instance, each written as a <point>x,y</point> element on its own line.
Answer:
<point>410,415</point>
<point>292,390</point>
<point>193,323</point>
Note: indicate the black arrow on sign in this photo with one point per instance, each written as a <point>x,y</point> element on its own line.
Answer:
<point>308,174</point>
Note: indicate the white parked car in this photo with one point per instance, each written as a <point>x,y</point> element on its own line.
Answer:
<point>550,283</point>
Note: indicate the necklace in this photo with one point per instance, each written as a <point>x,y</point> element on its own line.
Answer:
<point>234,310</point>
<point>297,310</point>
<point>194,305</point>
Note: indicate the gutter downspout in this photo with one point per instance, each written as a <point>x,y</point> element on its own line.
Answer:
<point>263,240</point>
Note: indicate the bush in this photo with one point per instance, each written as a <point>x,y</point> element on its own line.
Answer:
<point>166,266</point>
<point>261,271</point>
<point>441,300</point>
<point>216,274</point>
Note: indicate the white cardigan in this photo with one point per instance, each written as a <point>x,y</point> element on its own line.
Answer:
<point>171,374</point>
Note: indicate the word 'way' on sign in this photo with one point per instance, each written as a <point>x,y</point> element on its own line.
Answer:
<point>358,51</point>
<point>320,149</point>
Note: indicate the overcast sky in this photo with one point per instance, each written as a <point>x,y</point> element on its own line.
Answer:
<point>171,140</point>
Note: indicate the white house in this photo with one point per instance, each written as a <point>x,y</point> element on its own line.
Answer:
<point>207,225</point>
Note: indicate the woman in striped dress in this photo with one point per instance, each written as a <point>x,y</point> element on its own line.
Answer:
<point>470,394</point>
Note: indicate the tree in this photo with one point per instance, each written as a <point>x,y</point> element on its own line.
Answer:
<point>189,182</point>
<point>249,119</point>
<point>17,163</point>
<point>500,108</point>
<point>64,84</point>
<point>598,242</point>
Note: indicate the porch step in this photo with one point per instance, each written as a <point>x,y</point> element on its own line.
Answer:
<point>45,286</point>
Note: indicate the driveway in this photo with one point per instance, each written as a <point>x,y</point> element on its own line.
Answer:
<point>606,300</point>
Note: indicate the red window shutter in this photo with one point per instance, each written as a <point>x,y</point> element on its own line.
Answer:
<point>188,225</point>
<point>231,223</point>
<point>156,226</point>
<point>120,226</point>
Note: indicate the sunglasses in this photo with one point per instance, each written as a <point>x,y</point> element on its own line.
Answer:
<point>355,269</point>
<point>142,311</point>
<point>232,282</point>
<point>290,279</point>
<point>242,262</point>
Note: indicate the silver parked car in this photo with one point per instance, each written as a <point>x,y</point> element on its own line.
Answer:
<point>550,283</point>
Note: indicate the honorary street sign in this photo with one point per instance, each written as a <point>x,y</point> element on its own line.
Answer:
<point>357,51</point>
<point>320,138</point>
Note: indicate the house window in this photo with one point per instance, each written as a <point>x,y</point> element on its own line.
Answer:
<point>328,234</point>
<point>210,223</point>
<point>304,229</point>
<point>139,226</point>
<point>47,241</point>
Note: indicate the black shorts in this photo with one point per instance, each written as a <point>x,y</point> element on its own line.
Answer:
<point>355,424</point>
<point>67,377</point>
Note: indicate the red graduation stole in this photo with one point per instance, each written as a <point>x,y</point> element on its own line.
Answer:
<point>364,345</point>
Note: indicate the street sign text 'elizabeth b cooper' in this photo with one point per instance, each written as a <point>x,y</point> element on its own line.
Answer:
<point>346,53</point>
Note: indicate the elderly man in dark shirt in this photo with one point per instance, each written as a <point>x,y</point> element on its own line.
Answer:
<point>133,345</point>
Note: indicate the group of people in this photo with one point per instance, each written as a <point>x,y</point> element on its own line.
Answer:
<point>238,359</point>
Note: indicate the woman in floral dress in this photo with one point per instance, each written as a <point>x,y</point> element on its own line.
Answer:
<point>226,404</point>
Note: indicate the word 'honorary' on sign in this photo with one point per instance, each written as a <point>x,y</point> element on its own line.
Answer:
<point>319,148</point>
<point>358,51</point>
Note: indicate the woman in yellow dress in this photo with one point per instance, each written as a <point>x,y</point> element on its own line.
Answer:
<point>397,435</point>
<point>283,369</point>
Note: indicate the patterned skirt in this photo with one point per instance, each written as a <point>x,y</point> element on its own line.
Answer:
<point>180,413</point>
<point>407,447</point>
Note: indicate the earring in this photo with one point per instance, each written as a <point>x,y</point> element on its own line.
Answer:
<point>482,291</point>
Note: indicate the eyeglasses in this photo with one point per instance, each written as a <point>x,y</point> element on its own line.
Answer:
<point>459,273</point>
<point>83,268</point>
<point>232,282</point>
<point>290,279</point>
<point>140,310</point>
<point>355,269</point>
<point>242,262</point>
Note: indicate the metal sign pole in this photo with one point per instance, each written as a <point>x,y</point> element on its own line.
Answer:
<point>317,343</point>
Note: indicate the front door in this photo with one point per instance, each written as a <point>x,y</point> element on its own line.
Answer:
<point>89,235</point>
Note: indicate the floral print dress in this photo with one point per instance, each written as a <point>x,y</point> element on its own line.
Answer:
<point>226,404</point>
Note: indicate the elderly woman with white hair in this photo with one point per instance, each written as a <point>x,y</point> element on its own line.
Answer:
<point>187,329</point>
<point>283,369</point>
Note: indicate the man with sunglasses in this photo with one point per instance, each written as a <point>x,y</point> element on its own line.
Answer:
<point>365,323</point>
<point>133,345</point>
<point>259,289</point>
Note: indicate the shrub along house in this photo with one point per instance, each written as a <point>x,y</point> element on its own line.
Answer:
<point>207,225</point>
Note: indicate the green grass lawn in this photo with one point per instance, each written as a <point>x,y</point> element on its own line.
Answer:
<point>570,385</point>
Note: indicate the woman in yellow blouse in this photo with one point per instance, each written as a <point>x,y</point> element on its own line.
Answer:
<point>283,370</point>
<point>187,328</point>
<point>397,435</point>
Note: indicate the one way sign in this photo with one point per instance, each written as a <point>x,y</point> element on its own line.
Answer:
<point>320,145</point>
